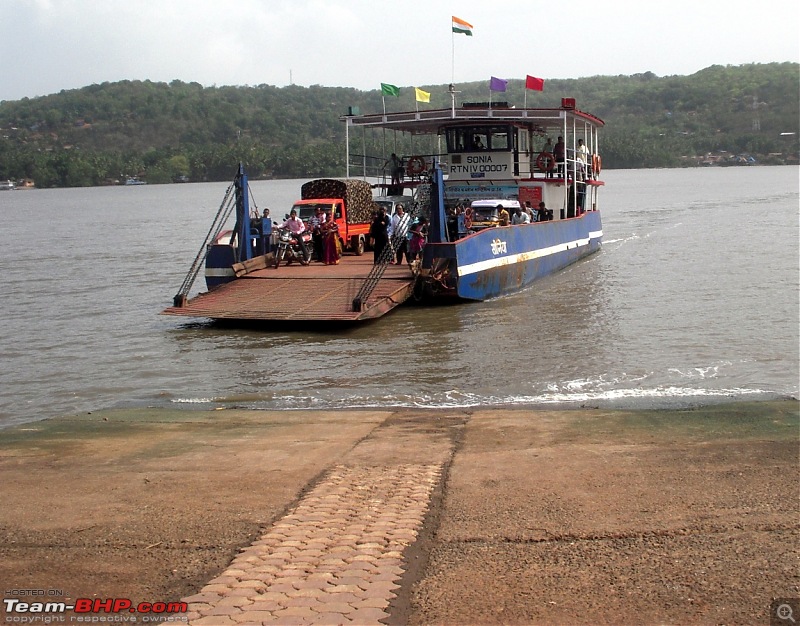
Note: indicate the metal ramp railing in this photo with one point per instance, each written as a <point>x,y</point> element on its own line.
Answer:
<point>385,258</point>
<point>223,213</point>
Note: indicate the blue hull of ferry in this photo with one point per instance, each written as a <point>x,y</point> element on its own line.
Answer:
<point>498,261</point>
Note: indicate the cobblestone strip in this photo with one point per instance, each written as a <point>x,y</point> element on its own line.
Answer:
<point>334,559</point>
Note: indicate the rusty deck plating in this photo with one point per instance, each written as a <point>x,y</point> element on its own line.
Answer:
<point>315,292</point>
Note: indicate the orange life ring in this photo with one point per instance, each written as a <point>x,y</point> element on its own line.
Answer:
<point>545,162</point>
<point>415,165</point>
<point>468,218</point>
<point>597,164</point>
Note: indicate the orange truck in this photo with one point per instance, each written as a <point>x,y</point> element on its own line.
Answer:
<point>348,201</point>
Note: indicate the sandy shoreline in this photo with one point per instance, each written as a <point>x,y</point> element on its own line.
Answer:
<point>671,516</point>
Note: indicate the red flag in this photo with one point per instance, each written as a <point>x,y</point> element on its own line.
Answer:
<point>537,84</point>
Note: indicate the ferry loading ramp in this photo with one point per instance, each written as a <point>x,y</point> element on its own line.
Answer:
<point>315,292</point>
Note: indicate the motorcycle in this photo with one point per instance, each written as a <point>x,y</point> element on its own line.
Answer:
<point>289,247</point>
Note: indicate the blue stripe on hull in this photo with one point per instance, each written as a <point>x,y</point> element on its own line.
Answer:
<point>498,261</point>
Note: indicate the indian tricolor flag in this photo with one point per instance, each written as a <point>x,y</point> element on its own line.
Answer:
<point>460,26</point>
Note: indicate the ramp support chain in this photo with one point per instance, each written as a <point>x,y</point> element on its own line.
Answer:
<point>224,211</point>
<point>386,257</point>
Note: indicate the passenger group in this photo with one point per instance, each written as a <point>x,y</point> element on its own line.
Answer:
<point>558,157</point>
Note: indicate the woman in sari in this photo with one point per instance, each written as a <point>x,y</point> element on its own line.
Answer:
<point>419,233</point>
<point>331,246</point>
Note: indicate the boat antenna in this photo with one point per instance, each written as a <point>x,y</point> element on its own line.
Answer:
<point>453,92</point>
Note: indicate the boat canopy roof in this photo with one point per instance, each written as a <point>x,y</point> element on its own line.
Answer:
<point>431,122</point>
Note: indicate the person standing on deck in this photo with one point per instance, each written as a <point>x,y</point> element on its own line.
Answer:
<point>583,152</point>
<point>266,232</point>
<point>315,225</point>
<point>559,154</point>
<point>332,247</point>
<point>396,168</point>
<point>529,210</point>
<point>419,233</point>
<point>378,230</point>
<point>582,155</point>
<point>548,149</point>
<point>399,220</point>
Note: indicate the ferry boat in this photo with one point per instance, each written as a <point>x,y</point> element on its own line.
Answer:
<point>497,153</point>
<point>477,155</point>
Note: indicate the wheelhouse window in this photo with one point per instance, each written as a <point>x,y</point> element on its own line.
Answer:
<point>479,138</point>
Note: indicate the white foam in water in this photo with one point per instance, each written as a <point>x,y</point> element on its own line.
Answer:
<point>611,389</point>
<point>455,399</point>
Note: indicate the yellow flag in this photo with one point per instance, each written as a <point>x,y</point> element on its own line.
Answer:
<point>422,96</point>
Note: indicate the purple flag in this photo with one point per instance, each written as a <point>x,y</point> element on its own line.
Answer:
<point>497,84</point>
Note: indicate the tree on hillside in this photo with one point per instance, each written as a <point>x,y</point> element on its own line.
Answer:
<point>102,133</point>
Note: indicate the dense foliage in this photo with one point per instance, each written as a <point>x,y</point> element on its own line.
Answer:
<point>105,133</point>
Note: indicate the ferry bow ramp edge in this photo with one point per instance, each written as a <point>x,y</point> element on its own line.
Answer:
<point>492,198</point>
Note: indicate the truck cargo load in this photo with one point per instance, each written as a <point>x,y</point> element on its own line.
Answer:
<point>357,196</point>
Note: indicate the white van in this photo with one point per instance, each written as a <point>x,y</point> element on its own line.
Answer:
<point>485,213</point>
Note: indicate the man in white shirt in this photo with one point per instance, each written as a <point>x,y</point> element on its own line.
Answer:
<point>582,155</point>
<point>583,152</point>
<point>520,217</point>
<point>399,220</point>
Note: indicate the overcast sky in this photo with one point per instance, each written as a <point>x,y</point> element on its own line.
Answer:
<point>50,45</point>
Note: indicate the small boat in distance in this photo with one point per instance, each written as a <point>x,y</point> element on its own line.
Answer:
<point>481,159</point>
<point>133,180</point>
<point>7,185</point>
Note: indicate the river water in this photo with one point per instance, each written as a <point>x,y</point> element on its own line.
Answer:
<point>693,299</point>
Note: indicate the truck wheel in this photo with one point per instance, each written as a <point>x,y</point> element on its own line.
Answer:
<point>358,245</point>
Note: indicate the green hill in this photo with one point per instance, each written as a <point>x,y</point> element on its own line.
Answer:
<point>158,131</point>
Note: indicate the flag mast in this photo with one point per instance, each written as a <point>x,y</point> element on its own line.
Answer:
<point>453,74</point>
<point>464,28</point>
<point>453,55</point>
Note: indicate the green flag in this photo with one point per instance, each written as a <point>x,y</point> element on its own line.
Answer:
<point>389,90</point>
